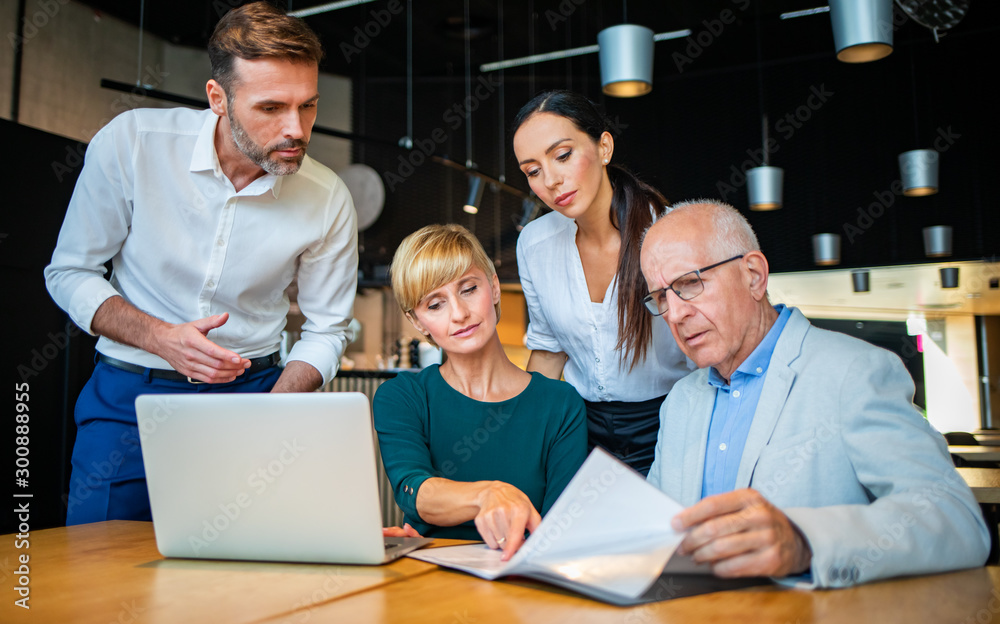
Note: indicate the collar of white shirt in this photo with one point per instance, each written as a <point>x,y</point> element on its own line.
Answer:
<point>205,158</point>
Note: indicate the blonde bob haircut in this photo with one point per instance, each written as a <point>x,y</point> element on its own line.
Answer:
<point>432,257</point>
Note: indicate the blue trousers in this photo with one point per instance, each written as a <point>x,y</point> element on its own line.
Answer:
<point>108,480</point>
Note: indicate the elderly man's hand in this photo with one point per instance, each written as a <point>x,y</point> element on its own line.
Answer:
<point>741,534</point>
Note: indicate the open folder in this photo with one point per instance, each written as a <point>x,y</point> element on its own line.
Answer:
<point>608,536</point>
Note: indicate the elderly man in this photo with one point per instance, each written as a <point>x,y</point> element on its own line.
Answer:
<point>794,449</point>
<point>206,216</point>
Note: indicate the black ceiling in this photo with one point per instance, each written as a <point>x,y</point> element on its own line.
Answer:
<point>527,26</point>
<point>690,135</point>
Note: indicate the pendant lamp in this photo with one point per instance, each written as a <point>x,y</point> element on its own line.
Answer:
<point>861,281</point>
<point>949,277</point>
<point>862,29</point>
<point>826,249</point>
<point>626,55</point>
<point>476,189</point>
<point>937,241</point>
<point>764,183</point>
<point>919,172</point>
<point>918,168</point>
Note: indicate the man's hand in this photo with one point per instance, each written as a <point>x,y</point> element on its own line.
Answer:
<point>741,534</point>
<point>190,353</point>
<point>184,346</point>
<point>504,513</point>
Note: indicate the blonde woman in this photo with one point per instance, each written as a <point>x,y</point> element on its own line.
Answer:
<point>475,447</point>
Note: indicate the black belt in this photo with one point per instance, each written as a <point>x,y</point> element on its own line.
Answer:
<point>256,364</point>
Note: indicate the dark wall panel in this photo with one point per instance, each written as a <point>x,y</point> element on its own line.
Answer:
<point>43,348</point>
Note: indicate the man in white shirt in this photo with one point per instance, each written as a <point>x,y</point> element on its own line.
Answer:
<point>207,217</point>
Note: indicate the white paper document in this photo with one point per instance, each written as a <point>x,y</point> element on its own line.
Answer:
<point>608,536</point>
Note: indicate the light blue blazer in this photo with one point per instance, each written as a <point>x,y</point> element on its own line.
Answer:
<point>836,444</point>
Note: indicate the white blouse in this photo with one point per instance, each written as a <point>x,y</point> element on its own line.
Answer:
<point>563,318</point>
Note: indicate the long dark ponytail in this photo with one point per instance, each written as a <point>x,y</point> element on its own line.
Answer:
<point>633,203</point>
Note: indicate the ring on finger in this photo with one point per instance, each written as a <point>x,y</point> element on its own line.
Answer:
<point>501,541</point>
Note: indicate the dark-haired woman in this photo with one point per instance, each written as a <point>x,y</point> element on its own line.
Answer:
<point>579,267</point>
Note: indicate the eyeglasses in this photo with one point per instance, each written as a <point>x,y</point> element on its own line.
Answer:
<point>687,287</point>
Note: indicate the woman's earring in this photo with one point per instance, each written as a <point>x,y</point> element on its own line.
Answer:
<point>606,161</point>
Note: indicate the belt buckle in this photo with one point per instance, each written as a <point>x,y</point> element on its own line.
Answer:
<point>195,381</point>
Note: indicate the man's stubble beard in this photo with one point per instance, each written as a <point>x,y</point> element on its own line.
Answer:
<point>261,156</point>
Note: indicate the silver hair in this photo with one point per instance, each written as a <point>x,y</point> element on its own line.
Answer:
<point>731,232</point>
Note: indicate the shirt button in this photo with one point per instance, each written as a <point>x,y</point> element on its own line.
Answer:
<point>601,388</point>
<point>598,360</point>
<point>736,394</point>
<point>760,370</point>
<point>221,243</point>
<point>722,446</point>
<point>210,284</point>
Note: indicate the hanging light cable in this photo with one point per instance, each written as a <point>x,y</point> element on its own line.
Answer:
<point>764,183</point>
<point>918,168</point>
<point>409,74</point>
<point>468,88</point>
<point>475,182</point>
<point>138,68</point>
<point>502,143</point>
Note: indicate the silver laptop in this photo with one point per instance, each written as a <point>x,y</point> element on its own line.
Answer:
<point>265,477</point>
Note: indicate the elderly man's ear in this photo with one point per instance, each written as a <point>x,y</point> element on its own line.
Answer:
<point>757,271</point>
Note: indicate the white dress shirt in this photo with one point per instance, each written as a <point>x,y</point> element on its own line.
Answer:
<point>185,245</point>
<point>563,318</point>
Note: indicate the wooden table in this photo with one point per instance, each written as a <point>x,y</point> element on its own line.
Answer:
<point>976,453</point>
<point>111,572</point>
<point>451,597</point>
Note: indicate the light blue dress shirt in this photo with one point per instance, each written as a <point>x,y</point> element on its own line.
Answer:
<point>735,404</point>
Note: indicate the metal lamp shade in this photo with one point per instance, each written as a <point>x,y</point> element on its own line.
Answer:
<point>476,189</point>
<point>862,29</point>
<point>919,171</point>
<point>826,249</point>
<point>949,277</point>
<point>937,241</point>
<point>861,281</point>
<point>626,53</point>
<point>764,186</point>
